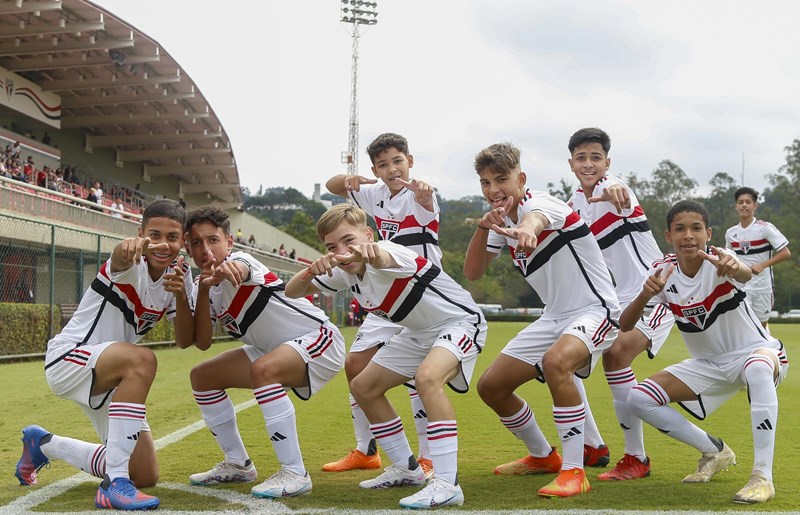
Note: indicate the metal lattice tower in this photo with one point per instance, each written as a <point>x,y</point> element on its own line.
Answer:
<point>355,13</point>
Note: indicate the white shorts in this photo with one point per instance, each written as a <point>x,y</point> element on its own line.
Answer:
<point>761,302</point>
<point>656,326</point>
<point>323,352</point>
<point>374,332</point>
<point>405,352</point>
<point>73,377</point>
<point>715,382</point>
<point>593,328</point>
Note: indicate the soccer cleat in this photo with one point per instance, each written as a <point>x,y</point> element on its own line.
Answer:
<point>121,494</point>
<point>427,467</point>
<point>437,493</point>
<point>566,484</point>
<point>283,483</point>
<point>32,459</point>
<point>550,464</point>
<point>710,463</point>
<point>353,461</point>
<point>396,476</point>
<point>758,489</point>
<point>629,467</point>
<point>224,472</point>
<point>595,456</point>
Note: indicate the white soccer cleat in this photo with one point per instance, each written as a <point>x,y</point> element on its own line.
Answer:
<point>224,472</point>
<point>438,493</point>
<point>283,483</point>
<point>396,476</point>
<point>710,463</point>
<point>758,489</point>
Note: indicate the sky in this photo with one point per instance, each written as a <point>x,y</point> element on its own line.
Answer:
<point>709,85</point>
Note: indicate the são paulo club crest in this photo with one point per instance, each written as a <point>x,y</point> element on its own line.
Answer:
<point>696,315</point>
<point>229,323</point>
<point>745,246</point>
<point>388,229</point>
<point>147,319</point>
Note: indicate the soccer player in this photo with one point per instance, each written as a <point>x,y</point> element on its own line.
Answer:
<point>443,332</point>
<point>729,349</point>
<point>759,245</point>
<point>554,250</point>
<point>407,213</point>
<point>621,229</point>
<point>288,343</point>
<point>95,361</point>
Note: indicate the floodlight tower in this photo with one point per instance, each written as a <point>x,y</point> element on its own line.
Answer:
<point>356,14</point>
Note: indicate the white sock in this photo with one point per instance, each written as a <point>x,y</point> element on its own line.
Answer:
<point>393,441</point>
<point>443,441</point>
<point>650,402</point>
<point>125,420</point>
<point>420,423</point>
<point>279,416</point>
<point>220,417</point>
<point>570,426</point>
<point>758,372</point>
<point>621,381</point>
<point>361,427</point>
<point>86,456</point>
<point>523,425</point>
<point>591,434</point>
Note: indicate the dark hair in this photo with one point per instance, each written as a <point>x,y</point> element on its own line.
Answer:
<point>745,190</point>
<point>688,206</point>
<point>212,213</point>
<point>164,208</point>
<point>384,142</point>
<point>589,135</point>
<point>500,158</point>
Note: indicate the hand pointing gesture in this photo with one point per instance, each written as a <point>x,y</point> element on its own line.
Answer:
<point>655,283</point>
<point>423,192</point>
<point>727,265</point>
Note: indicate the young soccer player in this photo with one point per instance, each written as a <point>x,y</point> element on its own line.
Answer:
<point>621,229</point>
<point>759,245</point>
<point>555,252</point>
<point>95,362</point>
<point>288,343</point>
<point>407,213</point>
<point>443,332</point>
<point>729,350</point>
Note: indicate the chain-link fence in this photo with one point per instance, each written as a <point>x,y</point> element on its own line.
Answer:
<point>45,269</point>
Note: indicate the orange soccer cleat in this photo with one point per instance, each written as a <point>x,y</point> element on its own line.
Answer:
<point>566,484</point>
<point>596,456</point>
<point>629,467</point>
<point>550,464</point>
<point>354,461</point>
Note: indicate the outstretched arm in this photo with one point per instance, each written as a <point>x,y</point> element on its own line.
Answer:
<point>477,258</point>
<point>342,184</point>
<point>174,282</point>
<point>423,192</point>
<point>727,265</point>
<point>130,251</point>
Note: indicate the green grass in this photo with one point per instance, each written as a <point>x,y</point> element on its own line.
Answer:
<point>326,434</point>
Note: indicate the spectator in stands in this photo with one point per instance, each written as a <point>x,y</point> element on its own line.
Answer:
<point>41,176</point>
<point>92,197</point>
<point>28,169</point>
<point>117,204</point>
<point>239,235</point>
<point>16,149</point>
<point>4,170</point>
<point>46,138</point>
<point>252,240</point>
<point>16,171</point>
<point>292,254</point>
<point>98,192</point>
<point>29,134</point>
<point>282,251</point>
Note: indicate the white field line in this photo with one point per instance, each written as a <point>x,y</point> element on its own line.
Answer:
<point>25,504</point>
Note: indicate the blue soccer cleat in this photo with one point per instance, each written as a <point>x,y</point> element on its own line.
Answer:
<point>32,459</point>
<point>121,494</point>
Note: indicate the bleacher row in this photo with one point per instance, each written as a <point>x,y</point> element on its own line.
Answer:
<point>70,191</point>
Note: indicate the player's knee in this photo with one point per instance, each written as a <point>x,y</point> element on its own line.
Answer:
<point>198,377</point>
<point>354,363</point>
<point>557,368</point>
<point>621,354</point>
<point>363,391</point>
<point>143,363</point>
<point>640,402</point>
<point>428,381</point>
<point>264,371</point>
<point>488,389</point>
<point>759,368</point>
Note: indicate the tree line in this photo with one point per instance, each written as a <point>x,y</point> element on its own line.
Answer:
<point>292,212</point>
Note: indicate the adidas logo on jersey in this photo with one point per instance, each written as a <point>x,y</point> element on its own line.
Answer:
<point>277,437</point>
<point>580,328</point>
<point>673,289</point>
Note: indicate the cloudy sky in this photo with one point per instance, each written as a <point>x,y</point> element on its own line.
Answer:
<point>712,85</point>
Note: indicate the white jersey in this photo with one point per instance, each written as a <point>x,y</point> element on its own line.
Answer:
<point>711,311</point>
<point>257,312</point>
<point>566,268</point>
<point>401,219</point>
<point>755,244</point>
<point>417,294</point>
<point>625,239</point>
<point>117,307</point>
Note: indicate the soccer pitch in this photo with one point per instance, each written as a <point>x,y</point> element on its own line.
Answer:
<point>325,430</point>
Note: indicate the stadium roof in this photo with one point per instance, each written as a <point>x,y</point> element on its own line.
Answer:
<point>122,88</point>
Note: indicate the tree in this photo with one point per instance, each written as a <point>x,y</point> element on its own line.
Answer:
<point>720,206</point>
<point>670,183</point>
<point>565,193</point>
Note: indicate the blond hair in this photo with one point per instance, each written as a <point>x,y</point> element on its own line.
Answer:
<point>338,215</point>
<point>500,158</point>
